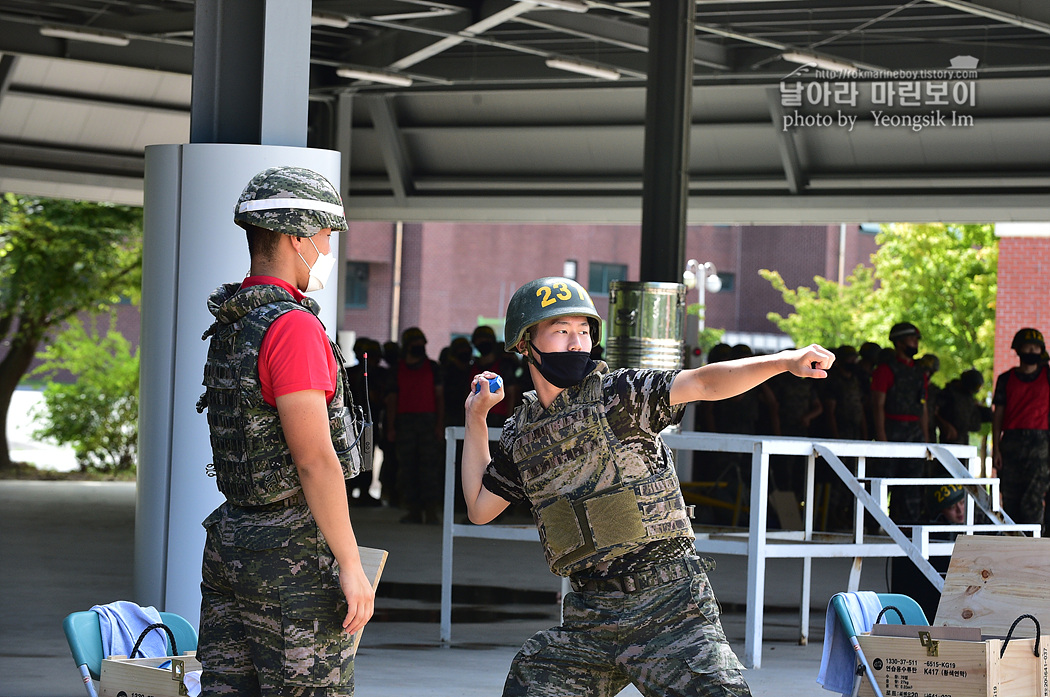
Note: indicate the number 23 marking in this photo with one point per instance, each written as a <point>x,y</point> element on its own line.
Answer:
<point>563,294</point>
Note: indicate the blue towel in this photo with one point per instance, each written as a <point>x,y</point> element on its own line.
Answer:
<point>122,622</point>
<point>838,662</point>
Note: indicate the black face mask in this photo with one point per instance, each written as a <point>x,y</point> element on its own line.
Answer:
<point>563,368</point>
<point>419,350</point>
<point>1030,358</point>
<point>485,347</point>
<point>910,351</point>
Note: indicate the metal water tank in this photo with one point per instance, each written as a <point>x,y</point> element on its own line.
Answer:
<point>646,325</point>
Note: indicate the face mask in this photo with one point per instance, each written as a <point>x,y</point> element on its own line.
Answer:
<point>321,269</point>
<point>418,350</point>
<point>1030,358</point>
<point>910,351</point>
<point>485,347</point>
<point>563,368</point>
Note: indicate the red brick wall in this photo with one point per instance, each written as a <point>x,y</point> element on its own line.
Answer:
<point>452,273</point>
<point>1023,289</point>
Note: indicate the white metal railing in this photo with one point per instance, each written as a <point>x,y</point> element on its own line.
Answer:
<point>758,543</point>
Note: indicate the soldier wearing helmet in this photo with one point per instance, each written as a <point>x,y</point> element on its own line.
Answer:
<point>584,451</point>
<point>284,440</point>
<point>958,414</point>
<point>1020,418</point>
<point>899,414</point>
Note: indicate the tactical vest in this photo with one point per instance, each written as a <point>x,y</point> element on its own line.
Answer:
<point>907,394</point>
<point>251,461</point>
<point>593,499</point>
<point>1027,401</point>
<point>415,388</point>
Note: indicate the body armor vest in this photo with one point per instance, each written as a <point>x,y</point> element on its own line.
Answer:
<point>1027,402</point>
<point>251,461</point>
<point>593,499</point>
<point>907,394</point>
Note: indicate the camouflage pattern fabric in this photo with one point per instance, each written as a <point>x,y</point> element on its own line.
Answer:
<point>291,200</point>
<point>907,394</point>
<point>667,640</point>
<point>1025,476</point>
<point>597,495</point>
<point>960,409</point>
<point>664,636</point>
<point>844,387</point>
<point>251,461</point>
<point>271,608</point>
<point>420,460</point>
<point>795,396</point>
<point>906,502</point>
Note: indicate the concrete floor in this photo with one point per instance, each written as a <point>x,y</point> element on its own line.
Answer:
<point>66,546</point>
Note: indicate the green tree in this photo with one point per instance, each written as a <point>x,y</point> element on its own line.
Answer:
<point>941,277</point>
<point>833,314</point>
<point>98,413</point>
<point>58,258</point>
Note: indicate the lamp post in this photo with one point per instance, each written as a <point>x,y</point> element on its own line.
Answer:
<point>712,283</point>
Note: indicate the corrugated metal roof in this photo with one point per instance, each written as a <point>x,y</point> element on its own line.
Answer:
<point>489,131</point>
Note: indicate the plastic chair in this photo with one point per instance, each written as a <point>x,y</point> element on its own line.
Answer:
<point>84,637</point>
<point>909,608</point>
<point>910,611</point>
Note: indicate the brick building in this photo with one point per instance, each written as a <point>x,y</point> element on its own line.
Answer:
<point>1023,286</point>
<point>452,274</point>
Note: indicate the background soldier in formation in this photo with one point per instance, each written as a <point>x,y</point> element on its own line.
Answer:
<point>283,588</point>
<point>1020,418</point>
<point>898,395</point>
<point>584,450</point>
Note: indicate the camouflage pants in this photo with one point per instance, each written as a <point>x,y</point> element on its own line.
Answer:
<point>271,608</point>
<point>905,501</point>
<point>1025,474</point>
<point>420,461</point>
<point>667,640</point>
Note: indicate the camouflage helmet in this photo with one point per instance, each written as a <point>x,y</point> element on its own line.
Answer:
<point>903,329</point>
<point>1028,335</point>
<point>547,298</point>
<point>292,200</point>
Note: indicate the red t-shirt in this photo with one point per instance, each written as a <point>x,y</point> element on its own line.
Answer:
<point>295,353</point>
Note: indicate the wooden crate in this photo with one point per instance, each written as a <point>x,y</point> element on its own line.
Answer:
<point>143,677</point>
<point>991,581</point>
<point>904,668</point>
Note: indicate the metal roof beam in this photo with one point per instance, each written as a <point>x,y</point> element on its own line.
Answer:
<point>785,144</point>
<point>395,157</point>
<point>625,34</point>
<point>7,70</point>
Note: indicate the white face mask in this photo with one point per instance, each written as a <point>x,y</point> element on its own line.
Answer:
<point>321,269</point>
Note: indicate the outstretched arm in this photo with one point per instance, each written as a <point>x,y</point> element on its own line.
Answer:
<point>730,378</point>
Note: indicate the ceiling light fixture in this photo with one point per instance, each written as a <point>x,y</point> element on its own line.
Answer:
<point>567,5</point>
<point>322,19</point>
<point>576,66</point>
<point>426,14</point>
<point>804,58</point>
<point>375,76</point>
<point>93,36</point>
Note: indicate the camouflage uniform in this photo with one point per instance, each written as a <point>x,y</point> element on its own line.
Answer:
<point>642,610</point>
<point>1025,476</point>
<point>906,397</point>
<point>272,607</point>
